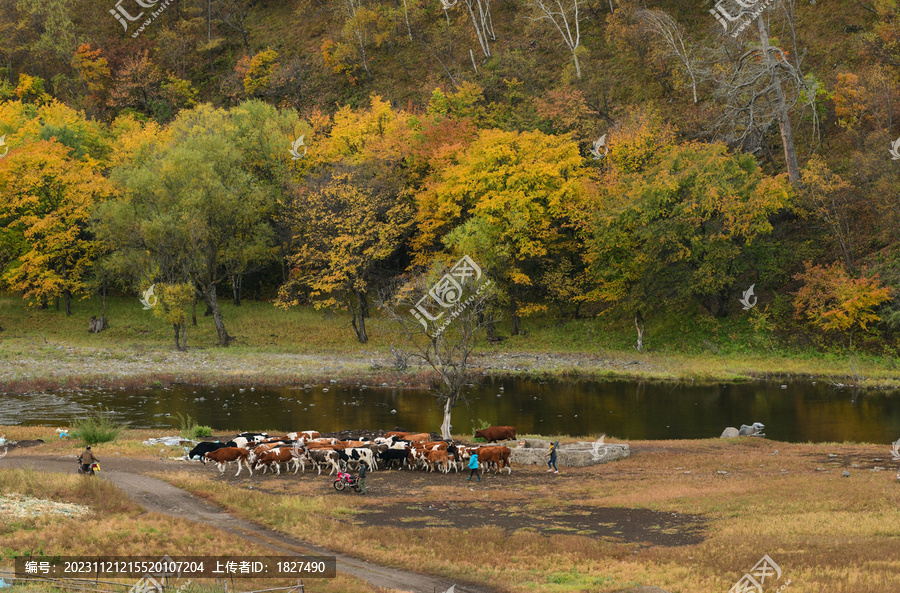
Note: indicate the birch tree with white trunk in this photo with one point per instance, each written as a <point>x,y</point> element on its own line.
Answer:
<point>566,18</point>
<point>661,25</point>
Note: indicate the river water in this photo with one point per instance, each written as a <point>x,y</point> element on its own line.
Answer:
<point>795,412</point>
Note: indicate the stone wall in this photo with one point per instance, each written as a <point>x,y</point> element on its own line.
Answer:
<point>534,452</point>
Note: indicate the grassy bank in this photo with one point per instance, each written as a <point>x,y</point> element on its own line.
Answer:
<point>44,349</point>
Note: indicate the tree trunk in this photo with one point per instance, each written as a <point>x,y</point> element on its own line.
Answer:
<point>515,321</point>
<point>67,299</point>
<point>784,121</point>
<point>577,63</point>
<point>490,327</point>
<point>639,325</point>
<point>213,303</point>
<point>57,303</point>
<point>194,310</point>
<point>184,337</point>
<point>177,342</point>
<point>445,425</point>
<point>365,306</point>
<point>236,288</point>
<point>359,320</point>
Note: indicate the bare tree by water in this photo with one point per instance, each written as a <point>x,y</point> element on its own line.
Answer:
<point>446,352</point>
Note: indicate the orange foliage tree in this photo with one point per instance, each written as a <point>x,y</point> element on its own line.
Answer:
<point>832,300</point>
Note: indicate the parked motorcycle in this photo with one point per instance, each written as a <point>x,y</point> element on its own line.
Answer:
<point>345,480</point>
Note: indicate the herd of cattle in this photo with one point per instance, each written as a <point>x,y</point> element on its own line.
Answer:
<point>299,450</point>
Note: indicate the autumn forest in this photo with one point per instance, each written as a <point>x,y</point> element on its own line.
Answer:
<point>607,159</point>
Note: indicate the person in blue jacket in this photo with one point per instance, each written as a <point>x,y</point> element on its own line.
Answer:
<point>473,465</point>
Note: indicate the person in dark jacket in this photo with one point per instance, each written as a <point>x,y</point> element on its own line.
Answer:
<point>362,477</point>
<point>473,465</point>
<point>86,458</point>
<point>552,453</point>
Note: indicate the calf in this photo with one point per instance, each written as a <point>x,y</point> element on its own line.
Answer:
<point>222,457</point>
<point>493,434</point>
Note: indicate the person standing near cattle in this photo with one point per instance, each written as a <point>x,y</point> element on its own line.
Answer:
<point>552,453</point>
<point>473,465</point>
<point>362,478</point>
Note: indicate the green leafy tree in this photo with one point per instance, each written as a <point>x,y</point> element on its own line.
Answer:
<point>185,202</point>
<point>673,221</point>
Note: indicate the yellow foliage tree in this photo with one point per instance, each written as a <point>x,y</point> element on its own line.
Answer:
<point>257,79</point>
<point>47,202</point>
<point>346,230</point>
<point>506,200</point>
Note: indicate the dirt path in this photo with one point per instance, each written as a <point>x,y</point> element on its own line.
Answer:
<point>161,497</point>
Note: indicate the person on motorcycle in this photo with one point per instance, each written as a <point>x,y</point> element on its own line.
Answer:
<point>86,459</point>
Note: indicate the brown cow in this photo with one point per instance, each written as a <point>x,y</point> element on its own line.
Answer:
<point>493,434</point>
<point>227,454</point>
<point>495,455</point>
<point>277,456</point>
<point>422,437</point>
<point>395,433</point>
<point>438,457</point>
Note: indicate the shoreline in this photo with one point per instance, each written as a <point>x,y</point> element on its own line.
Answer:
<point>74,368</point>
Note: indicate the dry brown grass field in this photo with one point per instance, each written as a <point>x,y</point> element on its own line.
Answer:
<point>686,516</point>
